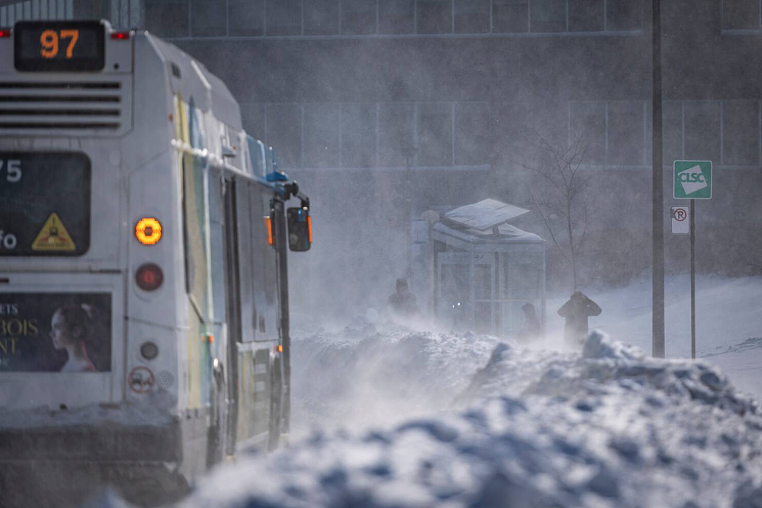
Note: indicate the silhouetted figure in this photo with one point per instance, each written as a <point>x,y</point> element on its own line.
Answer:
<point>530,330</point>
<point>403,303</point>
<point>576,311</point>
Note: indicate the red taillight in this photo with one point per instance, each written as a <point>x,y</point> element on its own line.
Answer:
<point>149,277</point>
<point>120,36</point>
<point>5,33</point>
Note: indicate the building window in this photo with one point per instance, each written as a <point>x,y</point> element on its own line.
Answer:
<point>396,16</point>
<point>396,134</point>
<point>624,14</point>
<point>701,121</point>
<point>472,16</point>
<point>284,133</point>
<point>358,17</point>
<point>434,16</point>
<point>284,17</point>
<point>208,18</point>
<point>167,18</point>
<point>547,16</point>
<point>626,136</point>
<point>740,14</point>
<point>472,134</point>
<point>510,16</point>
<point>358,135</point>
<point>435,141</point>
<point>587,124</point>
<point>321,17</point>
<point>321,135</point>
<point>246,17</point>
<point>740,133</point>
<point>586,15</point>
<point>253,120</point>
<point>672,131</point>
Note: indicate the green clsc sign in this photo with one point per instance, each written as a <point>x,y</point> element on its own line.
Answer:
<point>692,180</point>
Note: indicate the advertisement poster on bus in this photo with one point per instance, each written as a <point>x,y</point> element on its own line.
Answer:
<point>55,332</point>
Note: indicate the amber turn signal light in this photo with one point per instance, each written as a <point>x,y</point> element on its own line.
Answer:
<point>148,231</point>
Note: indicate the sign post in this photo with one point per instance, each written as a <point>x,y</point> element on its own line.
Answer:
<point>691,180</point>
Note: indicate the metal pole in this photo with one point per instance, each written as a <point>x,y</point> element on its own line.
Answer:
<point>658,192</point>
<point>693,277</point>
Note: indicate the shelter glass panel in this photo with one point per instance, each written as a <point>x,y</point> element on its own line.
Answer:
<point>740,133</point>
<point>702,130</point>
<point>246,17</point>
<point>510,16</point>
<point>586,15</point>
<point>396,16</point>
<point>472,16</point>
<point>321,17</point>
<point>434,16</point>
<point>434,134</point>
<point>358,17</point>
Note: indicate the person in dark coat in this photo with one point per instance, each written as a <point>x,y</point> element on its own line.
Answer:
<point>530,330</point>
<point>576,311</point>
<point>403,303</point>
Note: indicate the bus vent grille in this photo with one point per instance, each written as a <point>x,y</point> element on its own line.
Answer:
<point>62,106</point>
<point>165,379</point>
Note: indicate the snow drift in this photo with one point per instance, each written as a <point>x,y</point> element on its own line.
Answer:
<point>608,427</point>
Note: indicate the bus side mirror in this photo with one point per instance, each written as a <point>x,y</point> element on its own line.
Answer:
<point>299,229</point>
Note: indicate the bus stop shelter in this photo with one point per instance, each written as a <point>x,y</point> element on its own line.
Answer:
<point>479,271</point>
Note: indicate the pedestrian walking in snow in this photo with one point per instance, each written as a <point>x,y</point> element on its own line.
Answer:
<point>576,311</point>
<point>530,330</point>
<point>403,303</point>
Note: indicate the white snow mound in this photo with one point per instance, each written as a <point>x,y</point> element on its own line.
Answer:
<point>607,428</point>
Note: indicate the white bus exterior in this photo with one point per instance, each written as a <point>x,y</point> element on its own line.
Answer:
<point>143,283</point>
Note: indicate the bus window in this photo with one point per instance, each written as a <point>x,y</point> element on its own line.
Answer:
<point>44,203</point>
<point>194,213</point>
<point>256,156</point>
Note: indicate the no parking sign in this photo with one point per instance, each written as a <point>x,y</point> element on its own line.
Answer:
<point>680,220</point>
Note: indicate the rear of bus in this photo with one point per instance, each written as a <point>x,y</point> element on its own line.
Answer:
<point>87,356</point>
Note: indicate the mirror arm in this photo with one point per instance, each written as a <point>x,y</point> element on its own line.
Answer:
<point>292,190</point>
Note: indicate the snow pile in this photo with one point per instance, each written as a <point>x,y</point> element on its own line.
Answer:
<point>605,428</point>
<point>370,374</point>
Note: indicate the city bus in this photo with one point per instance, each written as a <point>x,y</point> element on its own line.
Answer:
<point>144,327</point>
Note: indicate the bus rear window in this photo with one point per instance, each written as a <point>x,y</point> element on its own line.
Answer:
<point>44,204</point>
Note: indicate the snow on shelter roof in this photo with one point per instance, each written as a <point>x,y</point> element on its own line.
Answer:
<point>485,214</point>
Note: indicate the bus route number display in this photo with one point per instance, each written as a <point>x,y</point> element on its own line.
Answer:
<point>59,46</point>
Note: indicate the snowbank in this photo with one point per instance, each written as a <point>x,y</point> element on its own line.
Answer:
<point>609,427</point>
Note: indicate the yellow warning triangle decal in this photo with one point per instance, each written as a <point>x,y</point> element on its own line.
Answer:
<point>53,236</point>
